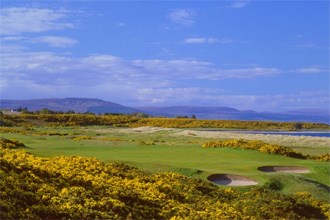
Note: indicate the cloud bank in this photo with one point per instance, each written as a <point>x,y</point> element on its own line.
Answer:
<point>56,41</point>
<point>34,20</point>
<point>136,82</point>
<point>183,17</point>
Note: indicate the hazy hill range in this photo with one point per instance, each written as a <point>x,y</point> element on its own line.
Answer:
<point>68,104</point>
<point>100,106</point>
<point>307,115</point>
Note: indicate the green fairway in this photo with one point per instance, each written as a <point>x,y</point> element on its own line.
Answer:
<point>162,151</point>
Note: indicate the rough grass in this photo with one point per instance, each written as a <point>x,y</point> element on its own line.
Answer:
<point>303,144</point>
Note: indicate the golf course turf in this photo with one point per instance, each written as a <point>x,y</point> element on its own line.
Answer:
<point>157,150</point>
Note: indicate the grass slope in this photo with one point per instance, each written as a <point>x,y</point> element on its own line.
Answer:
<point>85,188</point>
<point>161,151</point>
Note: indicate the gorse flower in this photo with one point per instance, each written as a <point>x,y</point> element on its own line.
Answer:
<point>263,147</point>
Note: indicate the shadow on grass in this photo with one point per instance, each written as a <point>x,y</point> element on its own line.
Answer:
<point>320,185</point>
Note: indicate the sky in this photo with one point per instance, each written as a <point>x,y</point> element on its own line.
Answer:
<point>246,54</point>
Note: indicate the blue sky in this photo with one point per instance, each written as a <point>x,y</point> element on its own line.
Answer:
<point>260,55</point>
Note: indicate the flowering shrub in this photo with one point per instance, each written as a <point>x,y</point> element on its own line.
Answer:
<point>84,137</point>
<point>30,131</point>
<point>12,130</point>
<point>71,119</point>
<point>79,138</point>
<point>256,145</point>
<point>322,157</point>
<point>193,123</point>
<point>264,147</point>
<point>86,188</point>
<point>133,121</point>
<point>10,143</point>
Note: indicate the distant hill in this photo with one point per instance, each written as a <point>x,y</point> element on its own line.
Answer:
<point>202,112</point>
<point>68,104</point>
<point>308,115</point>
<point>100,106</point>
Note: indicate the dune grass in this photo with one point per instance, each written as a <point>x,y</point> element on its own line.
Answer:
<point>302,144</point>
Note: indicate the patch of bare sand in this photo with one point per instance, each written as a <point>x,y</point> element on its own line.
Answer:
<point>231,180</point>
<point>147,130</point>
<point>284,169</point>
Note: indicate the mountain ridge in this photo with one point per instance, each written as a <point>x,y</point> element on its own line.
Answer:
<point>99,106</point>
<point>235,114</point>
<point>68,104</point>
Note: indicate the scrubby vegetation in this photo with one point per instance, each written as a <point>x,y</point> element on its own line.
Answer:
<point>30,131</point>
<point>69,119</point>
<point>11,143</point>
<point>134,121</point>
<point>84,137</point>
<point>263,147</point>
<point>86,188</point>
<point>274,184</point>
<point>225,124</point>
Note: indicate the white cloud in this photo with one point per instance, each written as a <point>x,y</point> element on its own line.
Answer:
<point>107,70</point>
<point>194,69</point>
<point>11,48</point>
<point>311,70</point>
<point>236,4</point>
<point>111,66</point>
<point>250,72</point>
<point>53,41</point>
<point>56,41</point>
<point>23,20</point>
<point>116,79</point>
<point>200,40</point>
<point>12,38</point>
<point>137,82</point>
<point>183,17</point>
<point>218,97</point>
<point>206,40</point>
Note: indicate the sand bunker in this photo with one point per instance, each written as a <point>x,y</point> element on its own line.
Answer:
<point>284,169</point>
<point>231,180</point>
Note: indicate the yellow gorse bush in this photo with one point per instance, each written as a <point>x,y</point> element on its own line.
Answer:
<point>70,119</point>
<point>132,121</point>
<point>263,147</point>
<point>322,157</point>
<point>30,131</point>
<point>84,137</point>
<point>85,188</point>
<point>10,143</point>
<point>226,124</point>
<point>255,145</point>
